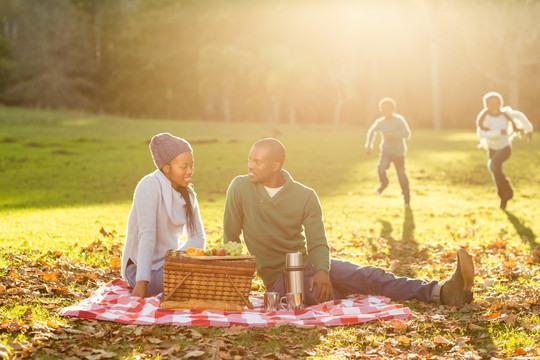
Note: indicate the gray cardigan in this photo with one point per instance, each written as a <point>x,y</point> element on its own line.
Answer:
<point>156,222</point>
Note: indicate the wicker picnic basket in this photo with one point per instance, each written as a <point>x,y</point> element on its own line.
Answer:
<point>207,279</point>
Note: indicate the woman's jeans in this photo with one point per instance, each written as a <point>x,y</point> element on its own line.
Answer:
<point>399,163</point>
<point>350,278</point>
<point>495,163</point>
<point>155,285</point>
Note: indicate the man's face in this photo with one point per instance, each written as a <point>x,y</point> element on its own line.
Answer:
<point>493,105</point>
<point>261,165</point>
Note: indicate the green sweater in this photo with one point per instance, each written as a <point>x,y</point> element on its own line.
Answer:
<point>291,221</point>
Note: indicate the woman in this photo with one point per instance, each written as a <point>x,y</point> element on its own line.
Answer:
<point>164,206</point>
<point>496,127</point>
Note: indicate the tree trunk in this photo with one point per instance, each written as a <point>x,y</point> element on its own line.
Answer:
<point>292,115</point>
<point>435,90</point>
<point>226,108</point>
<point>97,51</point>
<point>513,84</point>
<point>275,108</point>
<point>337,111</point>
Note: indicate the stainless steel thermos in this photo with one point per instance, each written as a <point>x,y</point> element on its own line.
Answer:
<point>294,274</point>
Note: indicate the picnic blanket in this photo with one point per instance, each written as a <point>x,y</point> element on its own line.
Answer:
<point>112,302</point>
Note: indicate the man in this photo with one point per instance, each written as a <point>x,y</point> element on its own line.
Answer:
<point>497,126</point>
<point>278,215</point>
<point>394,131</point>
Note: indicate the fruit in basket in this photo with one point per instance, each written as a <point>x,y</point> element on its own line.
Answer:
<point>233,248</point>
<point>221,252</point>
<point>195,252</point>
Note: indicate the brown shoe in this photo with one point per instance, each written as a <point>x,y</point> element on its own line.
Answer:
<point>457,290</point>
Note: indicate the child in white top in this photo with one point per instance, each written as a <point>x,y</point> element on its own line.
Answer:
<point>497,126</point>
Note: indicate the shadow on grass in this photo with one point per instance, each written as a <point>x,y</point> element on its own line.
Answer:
<point>408,225</point>
<point>525,233</point>
<point>405,249</point>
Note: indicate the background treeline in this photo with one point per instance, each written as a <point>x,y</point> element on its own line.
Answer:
<point>271,61</point>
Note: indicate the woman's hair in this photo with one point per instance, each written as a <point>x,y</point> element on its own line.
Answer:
<point>186,193</point>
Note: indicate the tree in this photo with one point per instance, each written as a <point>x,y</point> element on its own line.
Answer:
<point>219,69</point>
<point>52,56</point>
<point>501,38</point>
<point>7,68</point>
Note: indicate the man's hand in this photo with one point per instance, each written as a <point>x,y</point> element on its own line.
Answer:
<point>324,286</point>
<point>528,137</point>
<point>369,151</point>
<point>140,289</point>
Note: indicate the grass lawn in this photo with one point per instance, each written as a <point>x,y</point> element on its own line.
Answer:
<point>66,182</point>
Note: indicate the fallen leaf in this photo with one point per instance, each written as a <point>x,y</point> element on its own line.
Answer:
<point>441,340</point>
<point>115,262</point>
<point>475,327</point>
<point>98,354</point>
<point>50,276</point>
<point>510,319</point>
<point>154,341</point>
<point>195,353</point>
<point>403,339</point>
<point>170,350</point>
<point>44,263</point>
<point>52,324</point>
<point>398,325</point>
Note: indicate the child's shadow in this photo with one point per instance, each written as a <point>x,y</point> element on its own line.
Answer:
<point>408,226</point>
<point>524,231</point>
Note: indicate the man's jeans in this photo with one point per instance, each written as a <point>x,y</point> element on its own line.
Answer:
<point>495,162</point>
<point>399,163</point>
<point>155,285</point>
<point>350,278</point>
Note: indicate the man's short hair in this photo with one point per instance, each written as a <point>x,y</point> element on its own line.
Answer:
<point>274,146</point>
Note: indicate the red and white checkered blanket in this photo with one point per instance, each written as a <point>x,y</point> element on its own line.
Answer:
<point>113,302</point>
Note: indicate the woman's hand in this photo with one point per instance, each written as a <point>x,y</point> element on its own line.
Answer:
<point>324,286</point>
<point>140,289</point>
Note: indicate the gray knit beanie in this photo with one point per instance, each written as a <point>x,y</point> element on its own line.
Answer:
<point>165,147</point>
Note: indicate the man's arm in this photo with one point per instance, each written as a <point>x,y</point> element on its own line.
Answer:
<point>233,218</point>
<point>318,249</point>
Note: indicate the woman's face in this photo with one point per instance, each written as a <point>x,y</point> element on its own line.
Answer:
<point>179,170</point>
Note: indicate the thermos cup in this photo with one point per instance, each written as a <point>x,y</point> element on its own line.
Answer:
<point>294,274</point>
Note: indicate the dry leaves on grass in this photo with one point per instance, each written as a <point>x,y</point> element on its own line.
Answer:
<point>53,281</point>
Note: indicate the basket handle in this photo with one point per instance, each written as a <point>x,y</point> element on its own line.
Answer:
<point>176,287</point>
<point>246,301</point>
